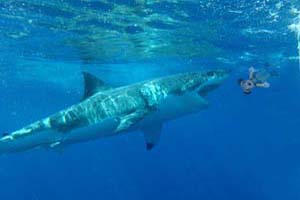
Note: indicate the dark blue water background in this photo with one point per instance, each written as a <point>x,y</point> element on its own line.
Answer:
<point>242,147</point>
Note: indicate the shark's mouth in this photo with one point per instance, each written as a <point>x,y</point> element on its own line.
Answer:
<point>205,89</point>
<point>212,84</point>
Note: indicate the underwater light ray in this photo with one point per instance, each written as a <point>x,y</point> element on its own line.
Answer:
<point>295,27</point>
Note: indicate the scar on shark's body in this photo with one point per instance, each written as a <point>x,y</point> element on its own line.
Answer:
<point>105,111</point>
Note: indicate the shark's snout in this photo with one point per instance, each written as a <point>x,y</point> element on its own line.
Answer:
<point>218,75</point>
<point>214,79</point>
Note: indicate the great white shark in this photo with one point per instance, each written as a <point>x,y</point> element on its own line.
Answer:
<point>106,111</point>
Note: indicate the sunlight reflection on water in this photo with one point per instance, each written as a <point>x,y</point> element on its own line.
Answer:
<point>295,27</point>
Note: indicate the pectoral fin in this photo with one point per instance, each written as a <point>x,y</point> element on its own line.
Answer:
<point>152,135</point>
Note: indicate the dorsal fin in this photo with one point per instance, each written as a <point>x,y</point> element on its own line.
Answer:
<point>92,85</point>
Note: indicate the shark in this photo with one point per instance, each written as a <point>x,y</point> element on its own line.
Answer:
<point>106,111</point>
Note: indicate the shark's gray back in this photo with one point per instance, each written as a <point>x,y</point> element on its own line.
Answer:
<point>121,101</point>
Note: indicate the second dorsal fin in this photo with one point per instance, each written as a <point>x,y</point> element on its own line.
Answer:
<point>92,85</point>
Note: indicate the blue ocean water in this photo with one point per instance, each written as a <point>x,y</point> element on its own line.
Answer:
<point>241,147</point>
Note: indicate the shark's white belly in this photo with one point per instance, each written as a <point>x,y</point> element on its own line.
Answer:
<point>103,129</point>
<point>175,107</point>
